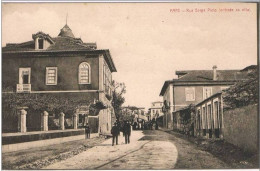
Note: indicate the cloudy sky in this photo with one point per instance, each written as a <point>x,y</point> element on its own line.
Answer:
<point>148,41</point>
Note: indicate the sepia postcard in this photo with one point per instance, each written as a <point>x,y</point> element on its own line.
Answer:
<point>130,86</point>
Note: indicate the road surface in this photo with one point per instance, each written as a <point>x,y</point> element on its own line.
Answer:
<point>148,149</point>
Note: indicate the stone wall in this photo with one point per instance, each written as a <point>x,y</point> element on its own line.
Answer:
<point>241,128</point>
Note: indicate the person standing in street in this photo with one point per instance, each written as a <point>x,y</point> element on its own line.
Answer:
<point>115,133</point>
<point>127,132</point>
<point>87,131</point>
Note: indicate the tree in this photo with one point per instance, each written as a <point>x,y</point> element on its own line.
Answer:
<point>117,97</point>
<point>242,93</point>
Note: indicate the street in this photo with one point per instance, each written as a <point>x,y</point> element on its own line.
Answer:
<point>148,149</point>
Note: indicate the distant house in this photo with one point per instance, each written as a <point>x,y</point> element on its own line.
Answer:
<point>61,66</point>
<point>194,86</point>
<point>156,109</point>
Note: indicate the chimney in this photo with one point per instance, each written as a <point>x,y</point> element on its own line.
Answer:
<point>214,72</point>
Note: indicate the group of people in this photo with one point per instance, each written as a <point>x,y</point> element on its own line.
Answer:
<point>125,128</point>
<point>145,125</point>
<point>115,131</point>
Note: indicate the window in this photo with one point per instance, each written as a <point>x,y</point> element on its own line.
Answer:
<point>24,75</point>
<point>40,43</point>
<point>207,92</point>
<point>84,73</point>
<point>51,75</point>
<point>190,94</point>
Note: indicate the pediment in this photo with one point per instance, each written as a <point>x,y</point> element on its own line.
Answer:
<point>43,36</point>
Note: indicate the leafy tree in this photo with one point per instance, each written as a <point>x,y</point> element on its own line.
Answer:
<point>117,97</point>
<point>128,114</point>
<point>242,93</point>
<point>187,119</point>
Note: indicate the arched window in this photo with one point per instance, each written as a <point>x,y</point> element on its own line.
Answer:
<point>84,73</point>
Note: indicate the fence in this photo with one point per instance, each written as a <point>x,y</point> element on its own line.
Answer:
<point>21,121</point>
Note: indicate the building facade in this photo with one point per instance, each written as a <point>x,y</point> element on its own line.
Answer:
<point>209,117</point>
<point>194,86</point>
<point>61,66</point>
<point>155,110</point>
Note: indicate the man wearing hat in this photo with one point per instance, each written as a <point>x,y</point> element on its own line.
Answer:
<point>127,131</point>
<point>115,132</point>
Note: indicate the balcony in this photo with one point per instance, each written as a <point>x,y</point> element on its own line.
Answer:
<point>23,88</point>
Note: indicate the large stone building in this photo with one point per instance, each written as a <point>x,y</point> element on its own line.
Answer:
<point>61,66</point>
<point>194,86</point>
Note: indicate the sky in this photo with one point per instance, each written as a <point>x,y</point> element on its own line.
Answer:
<point>148,41</point>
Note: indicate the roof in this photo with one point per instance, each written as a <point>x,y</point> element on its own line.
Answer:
<point>65,42</point>
<point>42,35</point>
<point>60,44</point>
<point>66,32</point>
<point>205,77</point>
<point>157,102</point>
<point>165,85</point>
<point>212,96</point>
<point>251,67</point>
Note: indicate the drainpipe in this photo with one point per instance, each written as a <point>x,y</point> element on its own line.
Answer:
<point>222,118</point>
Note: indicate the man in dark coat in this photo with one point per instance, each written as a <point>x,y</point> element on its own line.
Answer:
<point>87,131</point>
<point>127,132</point>
<point>115,132</point>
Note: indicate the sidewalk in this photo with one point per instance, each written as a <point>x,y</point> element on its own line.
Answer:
<point>140,154</point>
<point>42,143</point>
<point>36,158</point>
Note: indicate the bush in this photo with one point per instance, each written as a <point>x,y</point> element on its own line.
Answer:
<point>243,93</point>
<point>36,104</point>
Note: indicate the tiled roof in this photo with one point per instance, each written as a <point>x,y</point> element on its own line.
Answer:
<point>68,43</point>
<point>60,43</point>
<point>207,75</point>
<point>65,42</point>
<point>251,67</point>
<point>66,32</point>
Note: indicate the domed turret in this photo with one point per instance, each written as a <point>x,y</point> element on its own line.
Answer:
<point>66,32</point>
